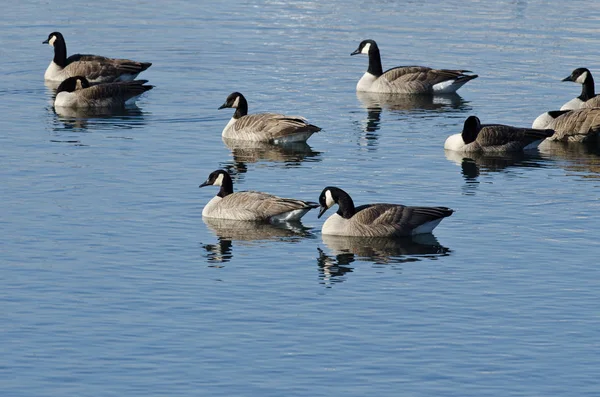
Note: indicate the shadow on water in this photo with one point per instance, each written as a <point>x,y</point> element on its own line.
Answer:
<point>416,105</point>
<point>473,165</point>
<point>285,156</point>
<point>577,157</point>
<point>96,119</point>
<point>378,250</point>
<point>248,233</point>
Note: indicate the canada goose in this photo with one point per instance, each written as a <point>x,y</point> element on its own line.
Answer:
<point>407,79</point>
<point>376,220</point>
<point>251,205</point>
<point>76,92</point>
<point>494,138</point>
<point>264,127</point>
<point>97,69</point>
<point>588,97</point>
<point>579,125</point>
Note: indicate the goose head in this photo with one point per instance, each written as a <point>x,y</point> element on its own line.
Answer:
<point>579,75</point>
<point>365,47</point>
<point>53,37</point>
<point>216,178</point>
<point>234,100</point>
<point>471,129</point>
<point>73,84</point>
<point>331,196</point>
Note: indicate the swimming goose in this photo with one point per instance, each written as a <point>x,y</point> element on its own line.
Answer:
<point>579,125</point>
<point>76,92</point>
<point>376,220</point>
<point>95,68</point>
<point>494,138</point>
<point>251,205</point>
<point>588,97</point>
<point>407,79</point>
<point>264,127</point>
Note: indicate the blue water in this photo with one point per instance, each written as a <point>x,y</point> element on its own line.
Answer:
<point>112,284</point>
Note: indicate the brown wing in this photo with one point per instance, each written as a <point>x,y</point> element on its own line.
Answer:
<point>118,92</point>
<point>261,205</point>
<point>272,125</point>
<point>421,75</point>
<point>500,135</point>
<point>577,125</point>
<point>592,102</point>
<point>95,67</point>
<point>377,219</point>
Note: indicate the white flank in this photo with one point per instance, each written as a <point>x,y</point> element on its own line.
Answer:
<point>446,87</point>
<point>335,225</point>
<point>542,121</point>
<point>366,82</point>
<point>573,104</point>
<point>454,142</point>
<point>426,227</point>
<point>211,207</point>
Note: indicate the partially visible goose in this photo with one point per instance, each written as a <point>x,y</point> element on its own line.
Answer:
<point>407,79</point>
<point>95,68</point>
<point>264,127</point>
<point>580,125</point>
<point>376,220</point>
<point>494,138</point>
<point>251,205</point>
<point>588,97</point>
<point>76,92</point>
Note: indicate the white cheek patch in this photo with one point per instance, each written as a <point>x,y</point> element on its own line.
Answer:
<point>329,201</point>
<point>581,78</point>
<point>366,49</point>
<point>51,41</point>
<point>219,180</point>
<point>236,102</point>
<point>78,85</point>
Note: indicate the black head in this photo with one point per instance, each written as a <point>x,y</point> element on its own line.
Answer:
<point>233,101</point>
<point>471,129</point>
<point>53,38</point>
<point>579,75</point>
<point>216,178</point>
<point>365,47</point>
<point>328,198</point>
<point>73,84</point>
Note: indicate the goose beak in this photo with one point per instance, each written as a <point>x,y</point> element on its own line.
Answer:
<point>223,106</point>
<point>321,211</point>
<point>357,51</point>
<point>568,78</point>
<point>204,184</point>
<point>45,42</point>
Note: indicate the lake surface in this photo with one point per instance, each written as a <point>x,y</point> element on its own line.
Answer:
<point>113,285</point>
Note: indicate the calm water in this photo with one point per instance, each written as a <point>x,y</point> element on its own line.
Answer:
<point>113,285</point>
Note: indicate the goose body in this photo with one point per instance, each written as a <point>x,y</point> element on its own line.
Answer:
<point>580,125</point>
<point>251,205</point>
<point>264,127</point>
<point>76,92</point>
<point>407,79</point>
<point>494,138</point>
<point>376,220</point>
<point>95,68</point>
<point>588,97</point>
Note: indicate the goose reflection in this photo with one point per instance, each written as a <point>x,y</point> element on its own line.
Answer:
<point>474,164</point>
<point>374,101</point>
<point>93,118</point>
<point>248,233</point>
<point>578,157</point>
<point>378,250</point>
<point>289,155</point>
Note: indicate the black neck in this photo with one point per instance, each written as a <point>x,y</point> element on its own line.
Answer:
<point>587,90</point>
<point>60,52</point>
<point>242,108</point>
<point>346,207</point>
<point>226,186</point>
<point>470,130</point>
<point>375,61</point>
